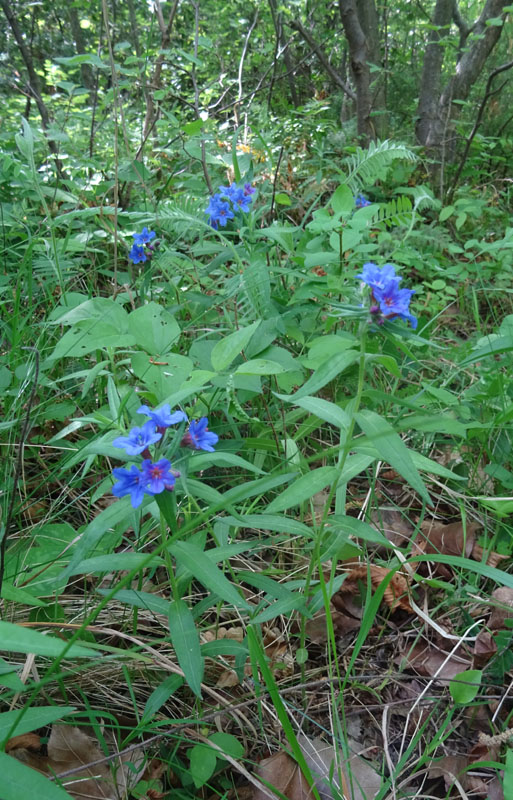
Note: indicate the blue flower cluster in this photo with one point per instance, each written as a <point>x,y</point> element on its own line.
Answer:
<point>388,299</point>
<point>156,476</point>
<point>142,250</point>
<point>360,201</point>
<point>227,201</point>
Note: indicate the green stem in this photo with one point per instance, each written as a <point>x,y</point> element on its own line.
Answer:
<point>334,489</point>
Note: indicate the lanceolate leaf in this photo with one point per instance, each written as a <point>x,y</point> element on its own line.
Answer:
<point>326,372</point>
<point>185,639</point>
<point>17,639</point>
<point>207,572</point>
<point>304,488</point>
<point>392,449</point>
<point>20,781</point>
<point>30,720</point>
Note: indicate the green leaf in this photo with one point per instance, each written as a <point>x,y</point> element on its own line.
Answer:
<point>342,200</point>
<point>282,199</point>
<point>392,449</point>
<point>161,695</point>
<point>86,337</point>
<point>17,639</point>
<point>350,526</point>
<point>325,410</point>
<point>152,602</point>
<point>445,213</point>
<point>260,366</point>
<point>227,349</point>
<point>228,744</point>
<point>205,571</point>
<point>16,595</point>
<point>508,775</point>
<point>464,692</point>
<point>326,372</point>
<point>153,328</point>
<point>31,719</point>
<point>192,128</point>
<point>270,522</point>
<point>304,488</point>
<point>185,639</point>
<point>104,521</point>
<point>282,606</point>
<point>201,461</point>
<point>113,562</point>
<point>20,781</point>
<point>203,761</point>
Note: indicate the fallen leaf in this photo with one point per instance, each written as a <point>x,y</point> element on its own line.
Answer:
<point>452,540</point>
<point>392,524</point>
<point>354,778</point>
<point>502,602</point>
<point>492,559</point>
<point>281,772</point>
<point>317,631</point>
<point>70,748</point>
<point>449,768</point>
<point>28,741</point>
<point>396,593</point>
<point>485,647</point>
<point>427,660</point>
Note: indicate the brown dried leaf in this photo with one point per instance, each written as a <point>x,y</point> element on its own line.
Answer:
<point>29,741</point>
<point>492,559</point>
<point>396,593</point>
<point>392,524</point>
<point>282,772</point>
<point>452,539</point>
<point>502,601</point>
<point>449,768</point>
<point>70,748</point>
<point>427,660</point>
<point>317,631</point>
<point>355,780</point>
<point>485,647</point>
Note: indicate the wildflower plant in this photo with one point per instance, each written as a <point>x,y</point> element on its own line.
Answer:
<point>142,249</point>
<point>227,201</point>
<point>156,475</point>
<point>387,299</point>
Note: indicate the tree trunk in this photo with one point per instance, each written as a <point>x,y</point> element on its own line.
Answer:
<point>438,108</point>
<point>34,82</point>
<point>86,70</point>
<point>369,21</point>
<point>360,57</point>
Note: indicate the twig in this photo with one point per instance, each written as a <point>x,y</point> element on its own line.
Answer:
<point>196,97</point>
<point>488,93</point>
<point>275,179</point>
<point>18,466</point>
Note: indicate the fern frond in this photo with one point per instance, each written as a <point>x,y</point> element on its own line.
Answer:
<point>398,211</point>
<point>366,166</point>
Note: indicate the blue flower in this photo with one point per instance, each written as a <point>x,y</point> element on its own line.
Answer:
<point>249,190</point>
<point>157,476</point>
<point>130,481</point>
<point>395,302</point>
<point>388,300</point>
<point>145,237</point>
<point>361,201</point>
<point>378,277</point>
<point>162,417</point>
<point>137,254</point>
<point>138,439</point>
<point>219,211</point>
<point>199,437</point>
<point>241,200</point>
